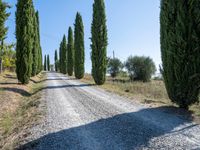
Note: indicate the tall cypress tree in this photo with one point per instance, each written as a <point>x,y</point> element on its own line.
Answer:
<point>56,60</point>
<point>63,64</point>
<point>45,63</point>
<point>39,44</point>
<point>70,52</point>
<point>24,36</point>
<point>99,42</point>
<point>79,65</point>
<point>180,48</point>
<point>35,51</point>
<point>3,30</point>
<point>48,63</point>
<point>60,57</point>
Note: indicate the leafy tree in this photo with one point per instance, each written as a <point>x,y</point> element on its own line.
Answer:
<point>24,35</point>
<point>140,68</point>
<point>45,63</point>
<point>3,30</point>
<point>99,42</point>
<point>79,65</point>
<point>114,67</point>
<point>70,52</point>
<point>36,46</point>
<point>48,63</point>
<point>9,57</point>
<point>180,48</point>
<point>56,60</point>
<point>63,56</point>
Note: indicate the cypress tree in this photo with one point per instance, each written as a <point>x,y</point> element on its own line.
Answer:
<point>45,63</point>
<point>24,36</point>
<point>180,48</point>
<point>48,63</point>
<point>60,58</point>
<point>3,30</point>
<point>79,68</point>
<point>64,55</point>
<point>99,42</point>
<point>70,52</point>
<point>39,44</point>
<point>35,51</point>
<point>56,60</point>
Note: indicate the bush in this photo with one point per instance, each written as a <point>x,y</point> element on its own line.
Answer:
<point>114,67</point>
<point>140,68</point>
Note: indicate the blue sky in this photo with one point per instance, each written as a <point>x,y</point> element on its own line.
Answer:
<point>133,26</point>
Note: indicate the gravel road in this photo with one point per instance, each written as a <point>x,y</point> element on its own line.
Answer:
<point>85,117</point>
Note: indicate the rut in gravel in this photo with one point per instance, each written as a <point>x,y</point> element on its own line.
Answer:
<point>81,116</point>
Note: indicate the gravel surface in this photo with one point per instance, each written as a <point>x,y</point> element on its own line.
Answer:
<point>83,117</point>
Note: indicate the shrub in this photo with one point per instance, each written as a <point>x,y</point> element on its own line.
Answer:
<point>114,67</point>
<point>140,68</point>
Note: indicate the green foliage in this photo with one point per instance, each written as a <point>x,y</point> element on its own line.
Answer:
<point>63,56</point>
<point>9,57</point>
<point>79,68</point>
<point>60,57</point>
<point>99,42</point>
<point>24,35</point>
<point>180,48</point>
<point>70,53</point>
<point>56,61</point>
<point>140,68</point>
<point>4,16</point>
<point>48,63</point>
<point>3,30</point>
<point>115,66</point>
<point>40,67</point>
<point>36,46</point>
<point>45,63</point>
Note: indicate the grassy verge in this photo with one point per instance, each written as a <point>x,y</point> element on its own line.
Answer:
<point>19,112</point>
<point>152,94</point>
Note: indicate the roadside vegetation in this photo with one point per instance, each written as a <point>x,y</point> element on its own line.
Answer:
<point>151,93</point>
<point>20,108</point>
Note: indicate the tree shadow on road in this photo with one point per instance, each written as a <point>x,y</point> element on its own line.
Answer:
<point>127,131</point>
<point>28,94</point>
<point>54,79</point>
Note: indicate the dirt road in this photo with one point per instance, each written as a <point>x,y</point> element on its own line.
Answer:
<point>84,117</point>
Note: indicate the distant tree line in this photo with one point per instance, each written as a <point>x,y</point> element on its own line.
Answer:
<point>138,68</point>
<point>28,48</point>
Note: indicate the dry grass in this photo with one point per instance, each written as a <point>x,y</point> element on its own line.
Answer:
<point>18,111</point>
<point>152,94</point>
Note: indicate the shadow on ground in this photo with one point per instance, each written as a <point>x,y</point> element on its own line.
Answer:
<point>28,94</point>
<point>55,79</point>
<point>125,131</point>
<point>52,78</point>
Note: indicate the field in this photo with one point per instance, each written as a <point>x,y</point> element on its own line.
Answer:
<point>19,108</point>
<point>152,93</point>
